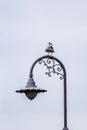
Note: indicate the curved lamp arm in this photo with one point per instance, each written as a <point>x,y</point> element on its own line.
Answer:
<point>49,57</point>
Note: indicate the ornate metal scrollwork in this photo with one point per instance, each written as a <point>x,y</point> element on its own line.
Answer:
<point>52,67</point>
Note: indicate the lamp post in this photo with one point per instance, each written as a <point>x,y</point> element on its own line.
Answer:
<point>53,66</point>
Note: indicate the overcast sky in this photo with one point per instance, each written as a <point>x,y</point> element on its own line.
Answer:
<point>26,26</point>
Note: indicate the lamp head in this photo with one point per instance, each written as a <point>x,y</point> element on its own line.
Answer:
<point>31,90</point>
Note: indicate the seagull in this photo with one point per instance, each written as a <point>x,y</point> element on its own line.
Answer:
<point>50,48</point>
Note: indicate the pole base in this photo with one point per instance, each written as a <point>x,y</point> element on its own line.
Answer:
<point>65,128</point>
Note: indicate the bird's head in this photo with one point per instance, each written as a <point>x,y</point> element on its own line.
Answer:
<point>50,43</point>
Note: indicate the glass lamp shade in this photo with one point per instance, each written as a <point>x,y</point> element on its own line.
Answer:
<point>31,90</point>
<point>31,94</point>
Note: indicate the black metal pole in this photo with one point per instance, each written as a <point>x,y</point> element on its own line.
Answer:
<point>64,84</point>
<point>65,104</point>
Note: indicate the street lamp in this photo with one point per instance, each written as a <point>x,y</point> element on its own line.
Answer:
<point>54,66</point>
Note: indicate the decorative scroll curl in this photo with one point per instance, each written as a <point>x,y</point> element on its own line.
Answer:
<point>52,67</point>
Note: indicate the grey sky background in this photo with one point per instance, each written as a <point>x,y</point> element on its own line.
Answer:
<point>25,29</point>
